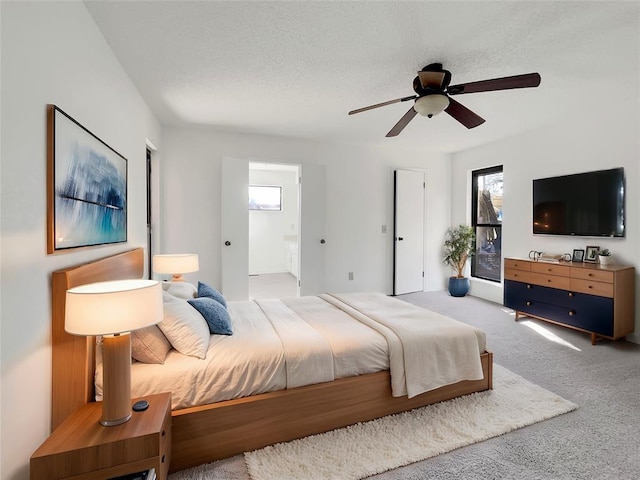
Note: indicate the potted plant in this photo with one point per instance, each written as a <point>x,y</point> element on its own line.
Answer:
<point>604,257</point>
<point>458,245</point>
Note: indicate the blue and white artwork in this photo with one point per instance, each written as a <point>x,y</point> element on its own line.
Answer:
<point>90,193</point>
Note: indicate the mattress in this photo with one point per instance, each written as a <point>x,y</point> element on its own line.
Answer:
<point>279,344</point>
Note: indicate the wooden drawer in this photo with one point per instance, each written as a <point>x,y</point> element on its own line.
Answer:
<point>553,281</point>
<point>601,289</point>
<point>551,269</point>
<point>513,264</point>
<point>592,275</point>
<point>517,275</point>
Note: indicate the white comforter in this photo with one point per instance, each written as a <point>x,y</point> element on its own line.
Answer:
<point>287,343</point>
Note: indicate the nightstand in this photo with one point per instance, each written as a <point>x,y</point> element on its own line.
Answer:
<point>82,449</point>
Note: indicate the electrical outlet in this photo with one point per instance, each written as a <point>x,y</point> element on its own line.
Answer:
<point>350,275</point>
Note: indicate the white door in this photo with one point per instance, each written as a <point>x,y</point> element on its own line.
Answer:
<point>312,223</point>
<point>408,264</point>
<point>235,228</point>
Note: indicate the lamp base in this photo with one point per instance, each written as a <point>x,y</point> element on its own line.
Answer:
<point>116,398</point>
<point>113,423</point>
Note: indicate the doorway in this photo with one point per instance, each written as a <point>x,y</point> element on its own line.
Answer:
<point>274,240</point>
<point>234,221</point>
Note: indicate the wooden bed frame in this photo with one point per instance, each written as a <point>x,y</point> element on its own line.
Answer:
<point>211,432</point>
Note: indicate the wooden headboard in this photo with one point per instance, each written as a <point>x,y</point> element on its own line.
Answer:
<point>73,357</point>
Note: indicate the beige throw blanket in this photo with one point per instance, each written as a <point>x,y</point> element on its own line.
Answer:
<point>308,356</point>
<point>426,350</point>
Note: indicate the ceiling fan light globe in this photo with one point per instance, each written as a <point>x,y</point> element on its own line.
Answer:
<point>431,105</point>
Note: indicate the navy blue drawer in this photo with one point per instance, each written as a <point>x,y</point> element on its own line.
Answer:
<point>529,291</point>
<point>589,312</point>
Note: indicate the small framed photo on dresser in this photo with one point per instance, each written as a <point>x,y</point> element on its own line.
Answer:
<point>591,254</point>
<point>578,256</point>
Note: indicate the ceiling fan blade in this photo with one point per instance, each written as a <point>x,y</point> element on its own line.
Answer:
<point>390,102</point>
<point>505,83</point>
<point>403,122</point>
<point>431,79</point>
<point>462,114</point>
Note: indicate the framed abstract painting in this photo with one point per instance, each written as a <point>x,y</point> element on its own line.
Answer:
<point>86,187</point>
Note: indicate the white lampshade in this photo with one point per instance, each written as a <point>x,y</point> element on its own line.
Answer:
<point>113,307</point>
<point>431,105</point>
<point>176,263</point>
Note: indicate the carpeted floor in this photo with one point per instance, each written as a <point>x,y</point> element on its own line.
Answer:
<point>598,441</point>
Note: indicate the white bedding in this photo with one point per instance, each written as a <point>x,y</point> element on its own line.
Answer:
<point>426,350</point>
<point>265,354</point>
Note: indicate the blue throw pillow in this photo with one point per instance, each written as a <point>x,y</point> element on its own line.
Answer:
<point>215,314</point>
<point>205,290</point>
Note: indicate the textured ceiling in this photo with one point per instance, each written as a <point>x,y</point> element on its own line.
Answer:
<point>296,68</point>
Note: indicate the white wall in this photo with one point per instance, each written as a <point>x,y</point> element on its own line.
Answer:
<point>267,229</point>
<point>359,200</point>
<point>581,142</point>
<point>52,52</point>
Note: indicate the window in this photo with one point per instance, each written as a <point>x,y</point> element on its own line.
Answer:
<point>486,218</point>
<point>265,198</point>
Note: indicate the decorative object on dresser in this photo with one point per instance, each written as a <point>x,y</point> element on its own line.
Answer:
<point>176,264</point>
<point>86,187</point>
<point>458,246</point>
<point>605,257</point>
<point>81,448</point>
<point>578,256</point>
<point>549,257</point>
<point>591,254</point>
<point>596,299</point>
<point>113,309</point>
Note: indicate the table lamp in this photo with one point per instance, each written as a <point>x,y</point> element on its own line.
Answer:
<point>176,264</point>
<point>112,309</point>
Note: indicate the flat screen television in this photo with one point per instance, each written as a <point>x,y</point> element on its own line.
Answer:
<point>587,204</point>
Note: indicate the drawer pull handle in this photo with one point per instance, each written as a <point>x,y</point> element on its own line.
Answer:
<point>571,294</point>
<point>590,286</point>
<point>571,313</point>
<point>528,303</point>
<point>590,274</point>
<point>162,459</point>
<point>548,280</point>
<point>163,433</point>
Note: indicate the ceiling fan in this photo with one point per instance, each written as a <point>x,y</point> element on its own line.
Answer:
<point>434,96</point>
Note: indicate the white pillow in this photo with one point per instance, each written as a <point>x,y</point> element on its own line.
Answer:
<point>184,327</point>
<point>184,290</point>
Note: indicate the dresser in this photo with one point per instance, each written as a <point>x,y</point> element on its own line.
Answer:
<point>592,298</point>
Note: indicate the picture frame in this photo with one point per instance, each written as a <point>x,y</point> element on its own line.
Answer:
<point>578,256</point>
<point>591,254</point>
<point>86,187</point>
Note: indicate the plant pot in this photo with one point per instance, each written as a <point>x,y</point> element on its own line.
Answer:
<point>605,260</point>
<point>458,287</point>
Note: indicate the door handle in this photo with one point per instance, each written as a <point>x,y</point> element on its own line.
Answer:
<point>227,243</point>
<point>322,241</point>
<point>400,239</point>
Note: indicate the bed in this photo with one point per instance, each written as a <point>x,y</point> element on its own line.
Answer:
<point>205,432</point>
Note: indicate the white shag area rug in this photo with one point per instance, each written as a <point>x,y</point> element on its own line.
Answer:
<point>365,449</point>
